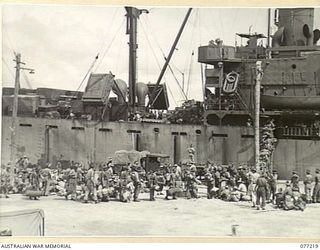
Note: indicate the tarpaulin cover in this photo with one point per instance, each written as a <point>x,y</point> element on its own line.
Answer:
<point>24,222</point>
<point>125,156</point>
<point>98,88</point>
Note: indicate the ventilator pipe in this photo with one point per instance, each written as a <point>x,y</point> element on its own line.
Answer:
<point>120,89</point>
<point>141,92</point>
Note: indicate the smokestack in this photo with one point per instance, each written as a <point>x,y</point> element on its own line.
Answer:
<point>298,26</point>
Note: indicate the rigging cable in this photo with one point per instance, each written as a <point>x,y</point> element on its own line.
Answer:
<point>104,40</point>
<point>84,78</point>
<point>96,59</point>
<point>26,79</point>
<point>107,49</point>
<point>201,64</point>
<point>9,40</point>
<point>192,54</point>
<point>154,54</point>
<point>10,70</point>
<point>164,59</point>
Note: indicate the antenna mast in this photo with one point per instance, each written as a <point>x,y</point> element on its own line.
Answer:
<point>132,18</point>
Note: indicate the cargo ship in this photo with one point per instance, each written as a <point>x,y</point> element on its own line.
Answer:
<point>58,125</point>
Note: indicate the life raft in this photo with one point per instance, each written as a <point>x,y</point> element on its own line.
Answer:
<point>230,82</point>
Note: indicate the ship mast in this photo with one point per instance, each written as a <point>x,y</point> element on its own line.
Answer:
<point>132,19</point>
<point>15,111</point>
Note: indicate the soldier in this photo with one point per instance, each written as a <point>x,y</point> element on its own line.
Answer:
<point>46,178</point>
<point>217,176</point>
<point>191,152</point>
<point>174,187</point>
<point>191,181</point>
<point>79,174</point>
<point>136,183</point>
<point>272,181</point>
<point>5,180</point>
<point>71,185</point>
<point>295,180</point>
<point>210,184</point>
<point>287,197</point>
<point>161,181</point>
<point>307,186</point>
<point>261,191</point>
<point>90,185</point>
<point>177,171</point>
<point>316,189</point>
<point>252,179</point>
<point>35,178</point>
<point>125,179</point>
<point>152,183</point>
<point>106,175</point>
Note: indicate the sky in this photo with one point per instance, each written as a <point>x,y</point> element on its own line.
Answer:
<point>61,41</point>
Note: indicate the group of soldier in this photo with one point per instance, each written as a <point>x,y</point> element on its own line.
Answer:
<point>104,182</point>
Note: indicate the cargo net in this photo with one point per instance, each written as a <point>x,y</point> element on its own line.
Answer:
<point>267,143</point>
<point>191,112</point>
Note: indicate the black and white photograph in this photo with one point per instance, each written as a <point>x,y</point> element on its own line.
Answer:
<point>160,121</point>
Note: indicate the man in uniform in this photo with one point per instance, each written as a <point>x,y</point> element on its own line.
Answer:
<point>175,186</point>
<point>35,178</point>
<point>5,180</point>
<point>152,183</point>
<point>308,186</point>
<point>295,180</point>
<point>46,180</point>
<point>71,185</point>
<point>316,189</point>
<point>252,179</point>
<point>272,180</point>
<point>261,191</point>
<point>177,171</point>
<point>90,185</point>
<point>136,182</point>
<point>191,152</point>
<point>210,184</point>
<point>191,181</point>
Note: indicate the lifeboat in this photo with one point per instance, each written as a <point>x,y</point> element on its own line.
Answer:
<point>290,102</point>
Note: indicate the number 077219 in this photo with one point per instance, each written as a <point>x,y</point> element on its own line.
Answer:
<point>310,246</point>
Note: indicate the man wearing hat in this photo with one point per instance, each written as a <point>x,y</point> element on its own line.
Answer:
<point>71,185</point>
<point>178,171</point>
<point>308,185</point>
<point>295,180</point>
<point>136,181</point>
<point>152,183</point>
<point>261,191</point>
<point>252,179</point>
<point>272,181</point>
<point>24,162</point>
<point>191,181</point>
<point>90,185</point>
<point>210,184</point>
<point>239,191</point>
<point>35,178</point>
<point>316,189</point>
<point>191,152</point>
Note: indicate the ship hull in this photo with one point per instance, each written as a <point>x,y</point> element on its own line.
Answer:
<point>61,139</point>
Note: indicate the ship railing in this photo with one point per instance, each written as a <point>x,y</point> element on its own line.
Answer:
<point>300,131</point>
